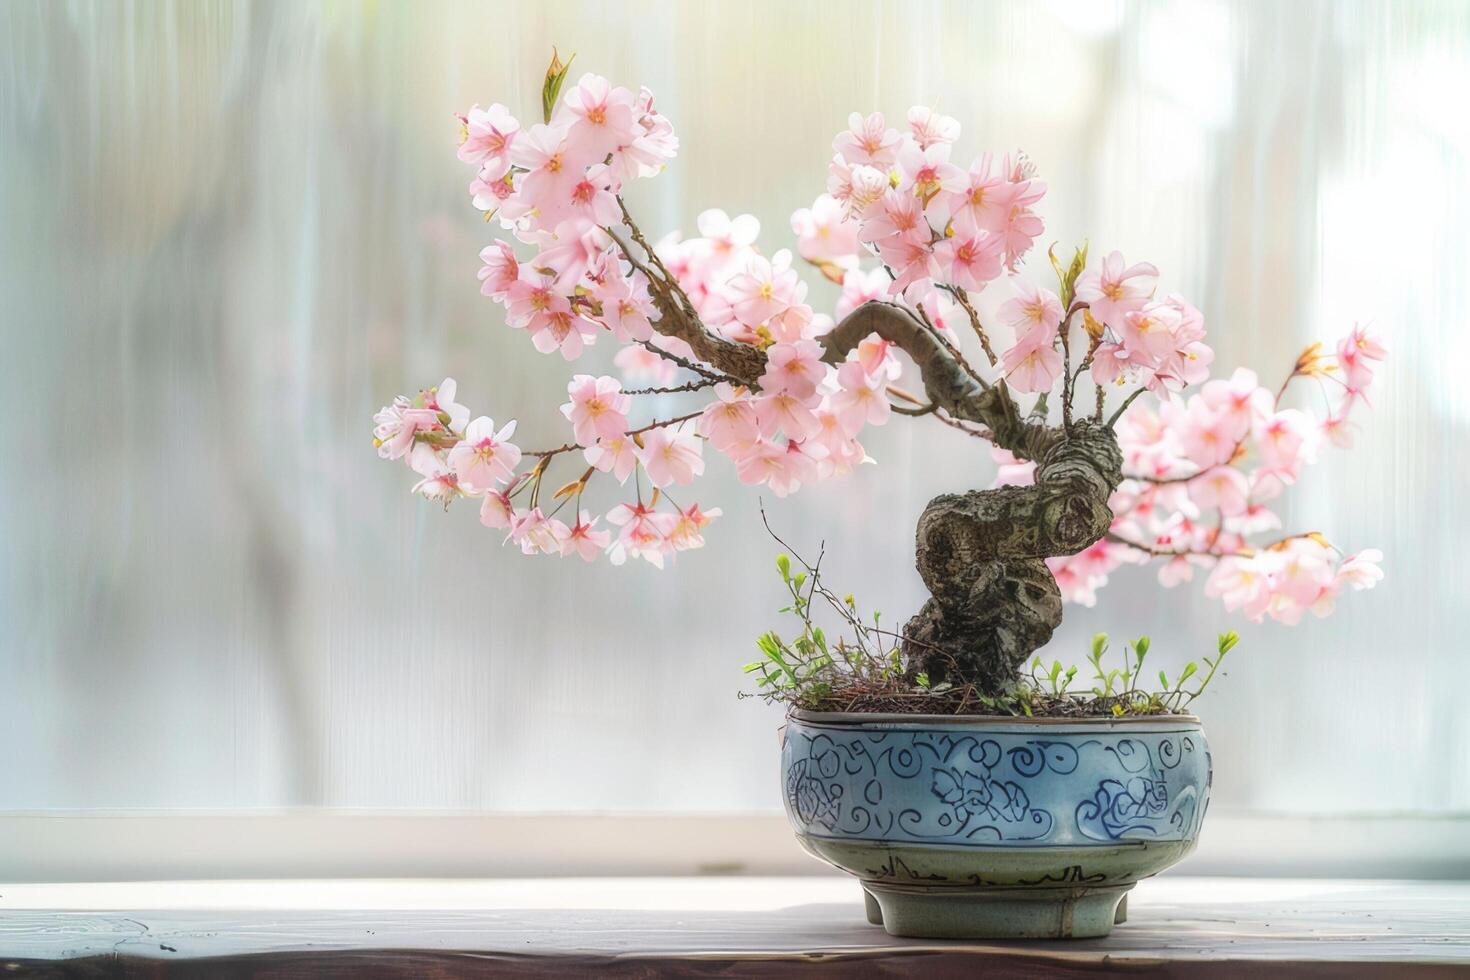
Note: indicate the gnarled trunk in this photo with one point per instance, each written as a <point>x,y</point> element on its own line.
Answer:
<point>982,556</point>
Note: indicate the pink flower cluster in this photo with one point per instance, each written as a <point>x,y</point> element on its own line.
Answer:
<point>554,187</point>
<point>934,224</point>
<point>1157,343</point>
<point>1201,473</point>
<point>900,223</point>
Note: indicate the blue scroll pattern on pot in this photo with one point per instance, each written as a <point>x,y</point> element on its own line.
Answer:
<point>980,788</point>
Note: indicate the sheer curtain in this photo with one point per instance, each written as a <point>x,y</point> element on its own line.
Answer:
<point>233,230</point>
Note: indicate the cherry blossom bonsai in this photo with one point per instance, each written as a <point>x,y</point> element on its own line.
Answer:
<point>1090,384</point>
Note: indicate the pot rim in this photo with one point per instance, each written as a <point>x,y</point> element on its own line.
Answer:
<point>857,718</point>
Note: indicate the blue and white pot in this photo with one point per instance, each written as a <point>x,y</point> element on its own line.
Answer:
<point>995,827</point>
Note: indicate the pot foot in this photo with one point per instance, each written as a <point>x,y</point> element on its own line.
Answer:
<point>874,910</point>
<point>997,913</point>
<point>1121,916</point>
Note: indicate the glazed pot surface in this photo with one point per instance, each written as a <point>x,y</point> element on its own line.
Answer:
<point>979,827</point>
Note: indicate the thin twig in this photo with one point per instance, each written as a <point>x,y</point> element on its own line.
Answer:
<point>675,389</point>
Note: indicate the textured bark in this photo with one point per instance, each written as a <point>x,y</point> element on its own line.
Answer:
<point>982,556</point>
<point>982,553</point>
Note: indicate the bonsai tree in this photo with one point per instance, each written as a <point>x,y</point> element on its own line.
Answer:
<point>1090,383</point>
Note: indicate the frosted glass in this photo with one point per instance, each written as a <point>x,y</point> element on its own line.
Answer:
<point>233,230</point>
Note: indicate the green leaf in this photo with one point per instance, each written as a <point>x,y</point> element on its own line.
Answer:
<point>1228,641</point>
<point>1099,645</point>
<point>556,74</point>
<point>1190,669</point>
<point>1163,680</point>
<point>1141,645</point>
<point>783,565</point>
<point>922,679</point>
<point>1067,278</point>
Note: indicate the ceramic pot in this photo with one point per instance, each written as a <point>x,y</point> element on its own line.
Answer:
<point>995,827</point>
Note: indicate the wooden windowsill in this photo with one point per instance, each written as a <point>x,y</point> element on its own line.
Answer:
<point>702,927</point>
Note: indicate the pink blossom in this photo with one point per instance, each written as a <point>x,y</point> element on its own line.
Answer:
<point>839,452</point>
<point>896,214</point>
<point>766,288</point>
<point>929,128</point>
<point>857,188</point>
<point>598,408</point>
<point>1361,570</point>
<point>1338,431</point>
<point>1240,582</point>
<point>860,399</point>
<point>794,324</point>
<point>1021,226</point>
<point>563,331</point>
<point>1114,290</point>
<point>584,539</point>
<point>1109,363</point>
<point>1241,398</point>
<point>496,510</point>
<point>554,169</point>
<point>1368,345</point>
<point>438,484</point>
<point>396,425</point>
<point>728,239</point>
<point>1032,364</point>
<point>535,532</point>
<point>530,296</point>
<point>913,259</point>
<point>1284,442</point>
<point>617,456</point>
<point>1224,487</point>
<point>868,141</point>
<point>1209,436</point>
<point>594,197</point>
<point>489,135</point>
<point>495,193</point>
<point>575,248</point>
<point>983,204</point>
<point>1175,571</point>
<point>730,420</point>
<point>876,356</point>
<point>795,368</point>
<point>926,171</point>
<point>1148,332</point>
<point>642,534</point>
<point>1299,574</point>
<point>485,457</point>
<point>1353,354</point>
<point>604,117</point>
<point>687,530</point>
<point>671,456</point>
<point>1034,313</point>
<point>783,468</point>
<point>972,262</point>
<point>500,271</point>
<point>440,399</point>
<point>824,232</point>
<point>859,287</point>
<point>627,307</point>
<point>653,145</point>
<point>780,411</point>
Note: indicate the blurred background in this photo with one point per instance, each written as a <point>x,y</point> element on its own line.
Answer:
<point>233,230</point>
